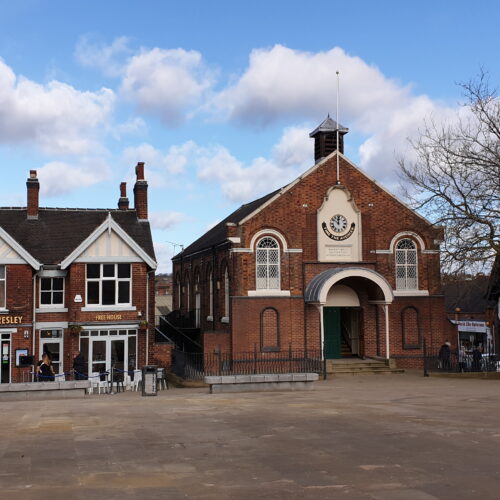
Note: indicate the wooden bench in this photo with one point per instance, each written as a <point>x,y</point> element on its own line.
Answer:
<point>262,382</point>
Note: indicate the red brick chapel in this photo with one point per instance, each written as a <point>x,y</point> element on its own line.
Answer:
<point>333,263</point>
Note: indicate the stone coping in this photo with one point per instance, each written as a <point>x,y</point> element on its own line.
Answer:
<point>45,386</point>
<point>262,378</point>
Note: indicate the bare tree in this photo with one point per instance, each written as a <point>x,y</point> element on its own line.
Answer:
<point>455,178</point>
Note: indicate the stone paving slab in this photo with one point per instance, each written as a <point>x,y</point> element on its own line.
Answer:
<point>404,437</point>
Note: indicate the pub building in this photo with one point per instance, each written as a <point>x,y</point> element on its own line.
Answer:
<point>77,279</point>
<point>332,262</point>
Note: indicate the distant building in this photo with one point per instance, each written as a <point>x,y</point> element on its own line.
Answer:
<point>471,311</point>
<point>78,279</point>
<point>328,263</point>
<point>494,295</point>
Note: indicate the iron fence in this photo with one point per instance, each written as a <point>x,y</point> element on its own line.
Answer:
<point>475,359</point>
<point>195,366</point>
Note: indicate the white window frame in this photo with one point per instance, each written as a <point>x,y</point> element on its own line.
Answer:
<point>4,282</point>
<point>52,304</point>
<point>403,283</point>
<point>266,251</point>
<point>225,316</point>
<point>107,278</point>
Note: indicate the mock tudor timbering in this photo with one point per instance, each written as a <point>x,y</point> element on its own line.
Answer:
<point>78,279</point>
<point>340,268</point>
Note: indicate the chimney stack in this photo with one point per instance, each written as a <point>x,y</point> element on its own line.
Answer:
<point>33,189</point>
<point>141,193</point>
<point>123,201</point>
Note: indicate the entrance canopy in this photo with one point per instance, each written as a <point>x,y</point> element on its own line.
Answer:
<point>317,289</point>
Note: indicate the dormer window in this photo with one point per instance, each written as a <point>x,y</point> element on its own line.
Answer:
<point>108,284</point>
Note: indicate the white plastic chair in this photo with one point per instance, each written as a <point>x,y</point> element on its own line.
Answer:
<point>136,384</point>
<point>98,384</point>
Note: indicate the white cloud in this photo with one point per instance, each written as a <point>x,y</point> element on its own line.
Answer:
<point>56,116</point>
<point>92,53</point>
<point>167,83</point>
<point>165,219</point>
<point>282,84</point>
<point>59,177</point>
<point>164,253</point>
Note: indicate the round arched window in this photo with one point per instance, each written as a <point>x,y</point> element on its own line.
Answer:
<point>268,264</point>
<point>406,265</point>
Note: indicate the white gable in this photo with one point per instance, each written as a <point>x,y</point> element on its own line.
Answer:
<point>8,255</point>
<point>109,246</point>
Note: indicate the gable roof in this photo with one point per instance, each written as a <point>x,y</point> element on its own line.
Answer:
<point>218,234</point>
<point>59,231</point>
<point>471,295</point>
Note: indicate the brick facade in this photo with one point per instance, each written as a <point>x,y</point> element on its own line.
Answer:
<point>24,318</point>
<point>292,214</point>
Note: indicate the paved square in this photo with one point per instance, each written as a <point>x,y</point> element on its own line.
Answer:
<point>371,437</point>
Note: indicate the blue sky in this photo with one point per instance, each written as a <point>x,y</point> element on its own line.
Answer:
<point>218,97</point>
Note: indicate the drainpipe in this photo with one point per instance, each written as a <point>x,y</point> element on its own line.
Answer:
<point>33,329</point>
<point>147,315</point>
<point>386,312</point>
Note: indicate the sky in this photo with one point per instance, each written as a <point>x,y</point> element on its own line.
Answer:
<point>218,98</point>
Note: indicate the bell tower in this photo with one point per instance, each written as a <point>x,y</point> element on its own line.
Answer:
<point>325,138</point>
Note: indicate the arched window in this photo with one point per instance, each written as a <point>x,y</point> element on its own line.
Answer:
<point>269,330</point>
<point>268,264</point>
<point>187,290</point>
<point>406,265</point>
<point>410,328</point>
<point>197,300</point>
<point>179,290</point>
<point>226,293</point>
<point>210,279</point>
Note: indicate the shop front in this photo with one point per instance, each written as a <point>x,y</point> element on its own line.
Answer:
<point>105,347</point>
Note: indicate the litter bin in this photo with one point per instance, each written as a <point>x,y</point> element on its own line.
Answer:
<point>149,380</point>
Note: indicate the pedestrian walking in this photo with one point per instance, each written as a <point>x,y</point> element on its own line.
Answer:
<point>476,359</point>
<point>444,356</point>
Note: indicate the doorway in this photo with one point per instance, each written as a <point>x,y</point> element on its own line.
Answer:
<point>341,332</point>
<point>5,358</point>
<point>51,342</point>
<point>106,348</point>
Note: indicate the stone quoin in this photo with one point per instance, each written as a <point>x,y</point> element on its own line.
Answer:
<point>336,265</point>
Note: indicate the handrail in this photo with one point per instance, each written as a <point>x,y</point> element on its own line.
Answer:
<point>180,332</point>
<point>158,331</point>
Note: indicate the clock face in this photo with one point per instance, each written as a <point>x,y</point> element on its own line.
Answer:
<point>338,223</point>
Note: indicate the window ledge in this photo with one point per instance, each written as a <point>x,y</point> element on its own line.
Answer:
<point>108,308</point>
<point>224,319</point>
<point>411,293</point>
<point>51,310</point>
<point>268,293</point>
<point>3,310</point>
<point>210,318</point>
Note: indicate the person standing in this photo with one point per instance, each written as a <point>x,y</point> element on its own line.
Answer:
<point>79,366</point>
<point>462,365</point>
<point>476,359</point>
<point>45,370</point>
<point>444,356</point>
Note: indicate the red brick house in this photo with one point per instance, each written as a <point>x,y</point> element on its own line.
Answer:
<point>78,279</point>
<point>329,262</point>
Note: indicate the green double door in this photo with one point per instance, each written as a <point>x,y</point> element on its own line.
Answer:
<point>332,332</point>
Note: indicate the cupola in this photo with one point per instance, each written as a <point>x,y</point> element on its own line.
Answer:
<point>325,138</point>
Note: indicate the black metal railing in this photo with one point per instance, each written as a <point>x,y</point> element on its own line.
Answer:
<point>195,366</point>
<point>473,359</point>
<point>184,340</point>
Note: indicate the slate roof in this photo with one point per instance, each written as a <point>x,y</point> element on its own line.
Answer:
<point>470,295</point>
<point>218,233</point>
<point>329,125</point>
<point>58,231</point>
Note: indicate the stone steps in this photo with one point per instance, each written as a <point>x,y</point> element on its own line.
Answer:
<point>360,367</point>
